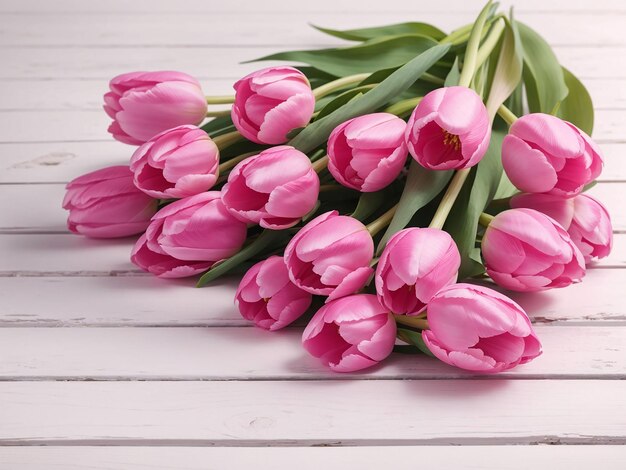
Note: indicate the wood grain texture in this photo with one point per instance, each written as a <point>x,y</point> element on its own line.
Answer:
<point>518,457</point>
<point>313,412</point>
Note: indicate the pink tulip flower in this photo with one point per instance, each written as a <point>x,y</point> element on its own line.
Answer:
<point>586,220</point>
<point>351,333</point>
<point>195,229</point>
<point>274,188</point>
<point>368,152</point>
<point>479,329</point>
<point>544,154</point>
<point>330,256</point>
<point>144,104</point>
<point>106,204</point>
<point>267,297</point>
<point>177,163</point>
<point>415,265</point>
<point>271,102</point>
<point>449,129</point>
<point>525,250</point>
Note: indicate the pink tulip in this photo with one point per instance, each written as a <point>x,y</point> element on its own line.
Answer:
<point>144,104</point>
<point>479,329</point>
<point>267,297</point>
<point>106,204</point>
<point>351,333</point>
<point>330,256</point>
<point>544,154</point>
<point>274,188</point>
<point>368,152</point>
<point>449,129</point>
<point>177,163</point>
<point>415,265</point>
<point>586,220</point>
<point>271,102</point>
<point>198,229</point>
<point>525,250</point>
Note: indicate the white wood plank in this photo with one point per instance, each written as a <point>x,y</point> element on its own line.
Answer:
<point>313,412</point>
<point>572,457</point>
<point>210,62</point>
<point>148,301</point>
<point>580,352</point>
<point>185,28</point>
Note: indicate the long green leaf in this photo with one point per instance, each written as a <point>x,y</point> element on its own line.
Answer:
<point>340,100</point>
<point>363,34</point>
<point>421,187</point>
<point>368,204</point>
<point>414,338</point>
<point>400,80</point>
<point>372,55</point>
<point>543,76</point>
<point>577,106</point>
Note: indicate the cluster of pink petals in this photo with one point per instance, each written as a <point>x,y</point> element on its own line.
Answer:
<point>330,256</point>
<point>189,236</point>
<point>106,204</point>
<point>143,104</point>
<point>351,333</point>
<point>479,329</point>
<point>274,189</point>
<point>544,154</point>
<point>268,298</point>
<point>368,152</point>
<point>177,163</point>
<point>586,220</point>
<point>449,129</point>
<point>525,250</point>
<point>415,265</point>
<point>271,102</point>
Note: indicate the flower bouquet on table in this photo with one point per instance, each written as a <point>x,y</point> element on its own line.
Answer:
<point>382,187</point>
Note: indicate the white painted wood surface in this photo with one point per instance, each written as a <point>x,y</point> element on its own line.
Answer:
<point>94,353</point>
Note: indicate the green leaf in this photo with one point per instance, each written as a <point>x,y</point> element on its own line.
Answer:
<point>369,56</point>
<point>577,106</point>
<point>543,76</point>
<point>342,99</point>
<point>218,126</point>
<point>265,240</point>
<point>421,187</point>
<point>414,28</point>
<point>414,338</point>
<point>452,79</point>
<point>478,191</point>
<point>368,204</point>
<point>400,80</point>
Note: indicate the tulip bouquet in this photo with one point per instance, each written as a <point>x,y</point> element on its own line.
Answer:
<point>362,186</point>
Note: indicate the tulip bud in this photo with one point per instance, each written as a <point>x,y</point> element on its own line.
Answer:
<point>479,329</point>
<point>330,256</point>
<point>544,154</point>
<point>525,250</point>
<point>415,265</point>
<point>144,104</point>
<point>449,129</point>
<point>350,333</point>
<point>198,228</point>
<point>586,220</point>
<point>106,204</point>
<point>267,297</point>
<point>275,188</point>
<point>271,102</point>
<point>177,163</point>
<point>368,152</point>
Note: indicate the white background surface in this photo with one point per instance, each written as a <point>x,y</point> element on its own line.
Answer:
<point>103,367</point>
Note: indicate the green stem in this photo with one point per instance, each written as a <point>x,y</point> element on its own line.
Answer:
<point>490,42</point>
<point>420,323</point>
<point>343,82</point>
<point>218,113</point>
<point>320,164</point>
<point>471,51</point>
<point>402,107</point>
<point>506,114</point>
<point>448,198</point>
<point>224,140</point>
<point>380,223</point>
<point>485,219</point>
<point>220,99</point>
<point>429,77</point>
<point>228,164</point>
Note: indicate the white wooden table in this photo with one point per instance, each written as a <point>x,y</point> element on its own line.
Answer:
<point>102,366</point>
